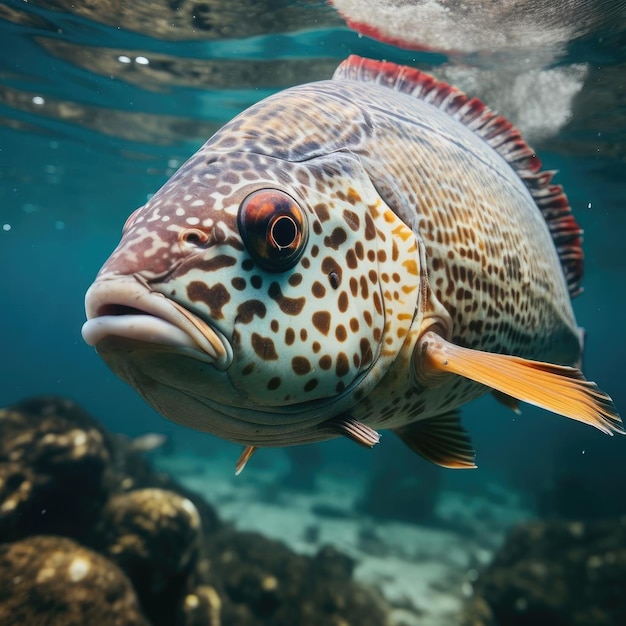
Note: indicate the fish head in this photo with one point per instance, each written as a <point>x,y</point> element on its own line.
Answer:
<point>254,297</point>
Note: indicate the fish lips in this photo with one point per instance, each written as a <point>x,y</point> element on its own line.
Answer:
<point>124,310</point>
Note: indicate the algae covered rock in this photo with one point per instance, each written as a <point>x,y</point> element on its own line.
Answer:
<point>266,583</point>
<point>46,580</point>
<point>151,552</point>
<point>203,607</point>
<point>53,466</point>
<point>154,535</point>
<point>555,574</point>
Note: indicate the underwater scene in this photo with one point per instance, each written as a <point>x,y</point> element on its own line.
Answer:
<point>354,361</point>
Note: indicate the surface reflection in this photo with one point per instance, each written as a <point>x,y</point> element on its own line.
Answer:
<point>554,69</point>
<point>178,20</point>
<point>538,29</point>
<point>157,72</point>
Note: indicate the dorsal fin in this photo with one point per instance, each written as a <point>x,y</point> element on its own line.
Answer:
<point>500,134</point>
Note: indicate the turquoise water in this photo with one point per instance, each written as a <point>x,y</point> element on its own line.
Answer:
<point>95,115</point>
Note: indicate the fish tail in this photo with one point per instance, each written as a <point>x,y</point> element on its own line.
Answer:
<point>557,388</point>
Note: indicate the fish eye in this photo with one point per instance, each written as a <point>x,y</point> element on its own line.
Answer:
<point>273,229</point>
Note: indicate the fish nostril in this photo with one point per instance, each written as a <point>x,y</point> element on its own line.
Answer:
<point>194,236</point>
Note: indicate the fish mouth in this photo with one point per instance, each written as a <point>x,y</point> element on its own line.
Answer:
<point>125,308</point>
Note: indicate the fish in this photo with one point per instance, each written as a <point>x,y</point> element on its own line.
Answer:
<point>148,442</point>
<point>369,252</point>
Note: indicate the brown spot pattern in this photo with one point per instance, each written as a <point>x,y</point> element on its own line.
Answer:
<point>295,279</point>
<point>341,333</point>
<point>290,336</point>
<point>342,367</point>
<point>322,212</point>
<point>300,365</point>
<point>215,263</point>
<point>336,238</point>
<point>311,384</point>
<point>318,290</point>
<point>321,321</point>
<point>248,309</point>
<point>264,347</point>
<point>326,362</point>
<point>215,297</point>
<point>289,306</point>
<point>352,220</point>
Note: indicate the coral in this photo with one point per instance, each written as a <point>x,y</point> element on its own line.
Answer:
<point>555,574</point>
<point>54,581</point>
<point>151,552</point>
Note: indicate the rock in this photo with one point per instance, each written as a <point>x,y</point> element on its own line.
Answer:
<point>164,557</point>
<point>134,470</point>
<point>154,535</point>
<point>53,469</point>
<point>202,607</point>
<point>265,583</point>
<point>478,613</point>
<point>53,580</point>
<point>555,574</point>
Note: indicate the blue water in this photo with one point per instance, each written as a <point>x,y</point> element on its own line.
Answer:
<point>83,143</point>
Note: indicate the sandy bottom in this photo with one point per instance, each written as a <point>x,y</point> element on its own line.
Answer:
<point>425,572</point>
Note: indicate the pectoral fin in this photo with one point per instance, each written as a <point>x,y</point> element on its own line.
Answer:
<point>347,426</point>
<point>563,390</point>
<point>441,440</point>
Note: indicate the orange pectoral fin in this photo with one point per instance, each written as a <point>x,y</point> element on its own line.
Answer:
<point>563,390</point>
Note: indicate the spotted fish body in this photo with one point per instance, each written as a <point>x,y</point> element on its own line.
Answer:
<point>367,252</point>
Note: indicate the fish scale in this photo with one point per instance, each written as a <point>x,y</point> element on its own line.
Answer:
<point>371,251</point>
<point>496,207</point>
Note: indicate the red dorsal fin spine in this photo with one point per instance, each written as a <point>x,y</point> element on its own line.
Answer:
<point>500,134</point>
